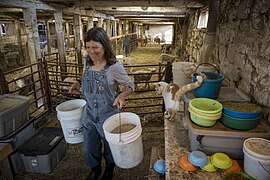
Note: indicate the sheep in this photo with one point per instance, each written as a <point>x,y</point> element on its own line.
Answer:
<point>166,58</point>
<point>68,82</point>
<point>166,48</point>
<point>24,82</point>
<point>143,76</point>
<point>157,40</point>
<point>124,60</point>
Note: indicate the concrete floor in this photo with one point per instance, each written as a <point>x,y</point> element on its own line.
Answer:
<point>72,166</point>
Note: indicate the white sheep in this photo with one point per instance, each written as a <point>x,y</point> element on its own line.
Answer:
<point>166,58</point>
<point>124,60</point>
<point>68,83</point>
<point>143,76</point>
<point>24,82</point>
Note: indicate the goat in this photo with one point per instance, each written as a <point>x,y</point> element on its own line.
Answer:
<point>166,58</point>
<point>143,76</point>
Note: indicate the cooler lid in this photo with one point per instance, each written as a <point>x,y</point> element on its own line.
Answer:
<point>9,101</point>
<point>42,142</point>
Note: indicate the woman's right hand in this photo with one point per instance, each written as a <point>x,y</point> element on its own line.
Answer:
<point>75,88</point>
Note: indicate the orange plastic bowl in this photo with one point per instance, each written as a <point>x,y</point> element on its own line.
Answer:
<point>185,164</point>
<point>234,168</point>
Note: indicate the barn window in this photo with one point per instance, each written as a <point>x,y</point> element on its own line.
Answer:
<point>3,30</point>
<point>42,32</point>
<point>202,23</point>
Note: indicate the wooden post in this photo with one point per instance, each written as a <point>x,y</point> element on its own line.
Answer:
<point>67,35</point>
<point>48,33</point>
<point>3,83</point>
<point>60,42</point>
<point>78,40</point>
<point>168,73</point>
<point>100,22</point>
<point>120,30</point>
<point>5,150</point>
<point>90,23</point>
<point>30,20</point>
<point>17,32</point>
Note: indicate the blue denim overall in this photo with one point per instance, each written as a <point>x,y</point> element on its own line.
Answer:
<point>99,107</point>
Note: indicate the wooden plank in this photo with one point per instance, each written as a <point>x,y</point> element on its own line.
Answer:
<point>5,150</point>
<point>153,175</point>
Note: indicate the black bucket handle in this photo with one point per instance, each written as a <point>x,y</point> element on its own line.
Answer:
<point>207,64</point>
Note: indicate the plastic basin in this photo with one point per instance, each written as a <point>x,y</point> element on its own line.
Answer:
<point>239,123</point>
<point>234,168</point>
<point>198,158</point>
<point>243,115</point>
<point>202,120</point>
<point>221,160</point>
<point>241,109</point>
<point>206,116</point>
<point>205,105</point>
<point>159,166</point>
<point>185,164</point>
<point>210,87</point>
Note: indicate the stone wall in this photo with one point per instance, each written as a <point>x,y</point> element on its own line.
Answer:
<point>243,48</point>
<point>194,38</point>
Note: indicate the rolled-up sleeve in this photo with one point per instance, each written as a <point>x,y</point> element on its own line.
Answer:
<point>121,77</point>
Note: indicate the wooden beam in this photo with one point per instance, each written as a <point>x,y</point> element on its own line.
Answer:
<point>27,4</point>
<point>60,40</point>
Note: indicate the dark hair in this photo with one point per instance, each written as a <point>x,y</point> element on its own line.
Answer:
<point>98,34</point>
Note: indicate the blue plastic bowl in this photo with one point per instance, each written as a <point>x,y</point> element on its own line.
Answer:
<point>242,115</point>
<point>160,166</point>
<point>198,158</point>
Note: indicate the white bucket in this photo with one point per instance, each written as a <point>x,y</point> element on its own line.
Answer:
<point>126,148</point>
<point>257,158</point>
<point>69,114</point>
<point>208,68</point>
<point>182,72</point>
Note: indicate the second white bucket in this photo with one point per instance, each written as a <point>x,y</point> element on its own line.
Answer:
<point>182,72</point>
<point>126,147</point>
<point>69,114</point>
<point>257,158</point>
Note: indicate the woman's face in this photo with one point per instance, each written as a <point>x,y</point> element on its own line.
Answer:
<point>95,50</point>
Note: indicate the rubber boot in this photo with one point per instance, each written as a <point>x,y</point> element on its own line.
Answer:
<point>95,172</point>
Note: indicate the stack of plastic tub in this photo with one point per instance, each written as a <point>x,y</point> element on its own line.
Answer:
<point>42,152</point>
<point>204,111</point>
<point>220,138</point>
<point>16,126</point>
<point>14,113</point>
<point>226,94</point>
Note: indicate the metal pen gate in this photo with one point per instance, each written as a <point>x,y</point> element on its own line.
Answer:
<point>143,101</point>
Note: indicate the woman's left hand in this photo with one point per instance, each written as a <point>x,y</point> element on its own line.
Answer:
<point>119,101</point>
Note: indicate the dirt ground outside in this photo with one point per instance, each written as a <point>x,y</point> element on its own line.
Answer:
<point>73,167</point>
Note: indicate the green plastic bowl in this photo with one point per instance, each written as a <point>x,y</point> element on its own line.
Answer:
<point>206,116</point>
<point>239,123</point>
<point>200,120</point>
<point>205,105</point>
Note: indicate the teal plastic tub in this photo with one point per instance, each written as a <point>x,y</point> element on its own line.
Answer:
<point>210,87</point>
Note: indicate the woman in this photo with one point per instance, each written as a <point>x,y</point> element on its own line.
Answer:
<point>101,76</point>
